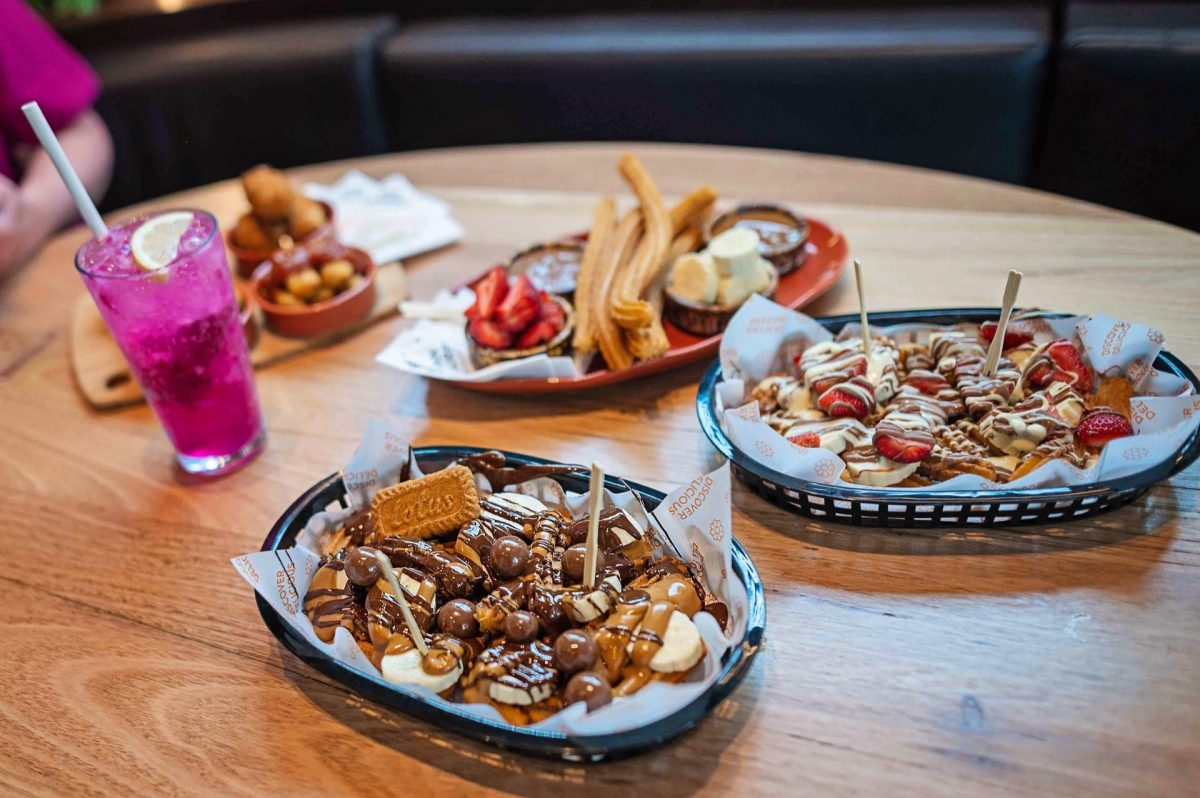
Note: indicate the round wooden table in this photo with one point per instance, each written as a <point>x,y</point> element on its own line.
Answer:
<point>1060,660</point>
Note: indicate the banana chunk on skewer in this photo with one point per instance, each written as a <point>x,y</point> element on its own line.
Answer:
<point>585,606</point>
<point>408,668</point>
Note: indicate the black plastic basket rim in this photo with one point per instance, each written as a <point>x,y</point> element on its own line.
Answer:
<point>552,744</point>
<point>706,411</point>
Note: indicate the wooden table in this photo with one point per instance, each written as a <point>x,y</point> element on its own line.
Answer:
<point>1055,661</point>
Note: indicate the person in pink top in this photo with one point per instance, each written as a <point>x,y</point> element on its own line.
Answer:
<point>35,64</point>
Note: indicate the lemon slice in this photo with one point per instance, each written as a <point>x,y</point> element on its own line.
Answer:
<point>156,243</point>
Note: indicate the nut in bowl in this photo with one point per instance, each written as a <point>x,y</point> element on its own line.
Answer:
<point>279,218</point>
<point>307,292</point>
<point>511,319</point>
<point>706,288</point>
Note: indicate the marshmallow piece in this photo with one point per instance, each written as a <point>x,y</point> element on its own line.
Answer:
<point>694,277</point>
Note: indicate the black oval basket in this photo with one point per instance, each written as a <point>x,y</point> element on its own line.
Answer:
<point>552,744</point>
<point>849,504</point>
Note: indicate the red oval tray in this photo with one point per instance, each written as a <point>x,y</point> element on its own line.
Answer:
<point>827,251</point>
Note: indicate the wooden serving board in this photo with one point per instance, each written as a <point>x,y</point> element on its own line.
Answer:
<point>103,375</point>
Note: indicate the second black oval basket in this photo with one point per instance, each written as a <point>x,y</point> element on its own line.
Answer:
<point>897,507</point>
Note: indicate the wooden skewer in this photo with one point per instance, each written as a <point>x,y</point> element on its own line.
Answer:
<point>414,631</point>
<point>862,315</point>
<point>997,347</point>
<point>596,503</point>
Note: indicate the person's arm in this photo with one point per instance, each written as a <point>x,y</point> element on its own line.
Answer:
<point>40,204</point>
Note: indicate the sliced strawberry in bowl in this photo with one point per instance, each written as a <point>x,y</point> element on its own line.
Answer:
<point>1101,425</point>
<point>838,402</point>
<point>490,334</point>
<point>1014,335</point>
<point>550,310</point>
<point>519,307</point>
<point>900,445</point>
<point>807,440</point>
<point>489,293</point>
<point>540,332</point>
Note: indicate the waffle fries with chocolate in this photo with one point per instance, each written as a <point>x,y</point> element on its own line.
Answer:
<point>495,584</point>
<point>929,413</point>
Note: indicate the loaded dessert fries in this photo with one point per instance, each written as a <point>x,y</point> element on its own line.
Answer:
<point>506,606</point>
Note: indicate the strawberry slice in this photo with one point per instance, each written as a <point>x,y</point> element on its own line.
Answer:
<point>489,293</point>
<point>1014,335</point>
<point>539,332</point>
<point>1071,368</point>
<point>892,442</point>
<point>519,307</point>
<point>809,440</point>
<point>1065,365</point>
<point>927,382</point>
<point>490,334</point>
<point>838,403</point>
<point>857,368</point>
<point>549,310</point>
<point>1101,425</point>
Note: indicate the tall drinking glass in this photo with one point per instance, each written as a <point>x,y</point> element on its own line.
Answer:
<point>178,327</point>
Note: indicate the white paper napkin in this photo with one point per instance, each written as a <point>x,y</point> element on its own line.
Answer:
<point>389,218</point>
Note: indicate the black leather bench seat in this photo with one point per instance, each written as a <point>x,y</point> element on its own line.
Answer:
<point>191,111</point>
<point>953,89</point>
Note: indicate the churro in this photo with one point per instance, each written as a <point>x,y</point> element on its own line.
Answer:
<point>588,279</point>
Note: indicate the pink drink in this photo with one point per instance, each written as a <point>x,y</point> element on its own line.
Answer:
<point>178,327</point>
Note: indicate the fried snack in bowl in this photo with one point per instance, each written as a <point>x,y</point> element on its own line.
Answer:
<point>269,193</point>
<point>306,217</point>
<point>280,218</point>
<point>249,233</point>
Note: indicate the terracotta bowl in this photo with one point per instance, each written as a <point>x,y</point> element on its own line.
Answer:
<point>334,314</point>
<point>486,356</point>
<point>785,257</point>
<point>705,320</point>
<point>248,260</point>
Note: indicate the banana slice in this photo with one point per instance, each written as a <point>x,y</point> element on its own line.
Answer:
<point>587,607</point>
<point>735,252</point>
<point>682,646</point>
<point>738,287</point>
<point>880,473</point>
<point>406,669</point>
<point>522,501</point>
<point>694,277</point>
<point>519,696</point>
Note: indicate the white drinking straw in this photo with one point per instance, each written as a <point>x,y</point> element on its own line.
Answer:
<point>87,208</point>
